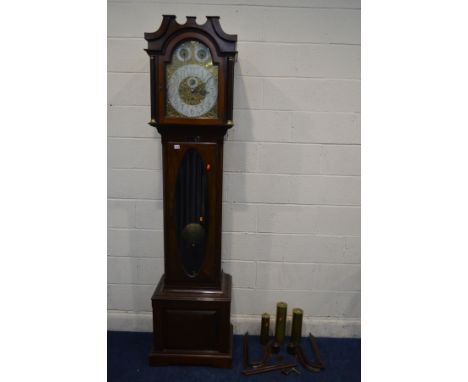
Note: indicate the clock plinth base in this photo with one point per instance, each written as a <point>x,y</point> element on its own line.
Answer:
<point>192,326</point>
<point>165,358</point>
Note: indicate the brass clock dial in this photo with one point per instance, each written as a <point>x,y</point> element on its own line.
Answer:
<point>192,82</point>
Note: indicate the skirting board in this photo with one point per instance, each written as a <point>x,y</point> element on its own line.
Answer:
<point>318,326</point>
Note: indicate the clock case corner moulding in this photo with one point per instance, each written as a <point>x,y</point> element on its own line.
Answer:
<point>192,84</point>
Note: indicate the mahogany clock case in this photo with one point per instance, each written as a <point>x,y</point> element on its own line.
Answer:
<point>192,302</point>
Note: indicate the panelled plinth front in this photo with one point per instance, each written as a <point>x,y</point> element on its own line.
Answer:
<point>192,326</point>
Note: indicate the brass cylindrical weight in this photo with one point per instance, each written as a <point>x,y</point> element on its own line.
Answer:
<point>296,330</point>
<point>280,329</point>
<point>265,329</point>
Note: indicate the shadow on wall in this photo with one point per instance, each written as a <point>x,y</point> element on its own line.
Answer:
<point>235,161</point>
<point>241,158</point>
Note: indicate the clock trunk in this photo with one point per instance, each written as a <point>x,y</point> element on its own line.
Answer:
<point>193,181</point>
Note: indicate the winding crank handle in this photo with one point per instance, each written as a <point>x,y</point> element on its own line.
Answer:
<point>266,369</point>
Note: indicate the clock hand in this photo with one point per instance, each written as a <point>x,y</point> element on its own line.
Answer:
<point>200,90</point>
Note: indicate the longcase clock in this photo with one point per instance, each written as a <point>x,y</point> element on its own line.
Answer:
<point>191,74</point>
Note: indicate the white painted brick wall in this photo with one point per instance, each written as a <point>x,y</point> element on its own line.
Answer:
<point>136,242</point>
<point>136,183</point>
<point>132,153</point>
<point>149,213</point>
<point>291,197</point>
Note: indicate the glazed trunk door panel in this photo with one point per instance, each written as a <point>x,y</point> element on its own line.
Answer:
<point>190,196</point>
<point>191,211</point>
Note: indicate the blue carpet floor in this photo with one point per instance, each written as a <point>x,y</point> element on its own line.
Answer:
<point>127,361</point>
